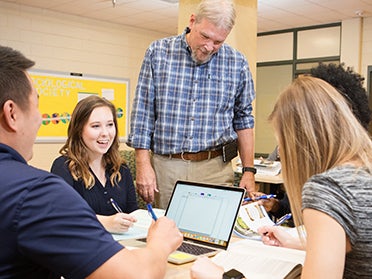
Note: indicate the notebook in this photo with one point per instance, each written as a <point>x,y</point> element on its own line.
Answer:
<point>205,214</point>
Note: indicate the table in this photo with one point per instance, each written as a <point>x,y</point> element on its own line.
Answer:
<point>178,271</point>
<point>264,182</point>
<point>174,271</point>
<point>183,271</point>
<point>266,253</point>
<point>272,179</point>
<point>268,184</point>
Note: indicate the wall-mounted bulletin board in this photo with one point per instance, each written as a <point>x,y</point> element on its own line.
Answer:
<point>60,92</point>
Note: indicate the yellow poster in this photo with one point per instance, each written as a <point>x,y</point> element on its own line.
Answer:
<point>59,93</point>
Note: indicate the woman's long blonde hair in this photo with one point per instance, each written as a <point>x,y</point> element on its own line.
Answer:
<point>316,131</point>
<point>76,150</point>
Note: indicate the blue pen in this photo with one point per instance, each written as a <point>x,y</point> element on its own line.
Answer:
<point>115,205</point>
<point>151,211</point>
<point>263,197</point>
<point>281,220</point>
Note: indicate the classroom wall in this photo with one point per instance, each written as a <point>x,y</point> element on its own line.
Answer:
<point>64,43</point>
<point>366,57</point>
<point>353,44</point>
<point>60,42</point>
<point>356,44</point>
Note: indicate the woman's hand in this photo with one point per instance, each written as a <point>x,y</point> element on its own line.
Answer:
<point>277,236</point>
<point>117,223</point>
<point>271,205</point>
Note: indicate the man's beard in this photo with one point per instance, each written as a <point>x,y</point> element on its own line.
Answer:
<point>198,61</point>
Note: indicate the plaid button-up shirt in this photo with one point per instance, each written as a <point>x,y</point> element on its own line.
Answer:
<point>184,107</point>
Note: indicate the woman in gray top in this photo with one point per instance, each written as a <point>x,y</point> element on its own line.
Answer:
<point>326,158</point>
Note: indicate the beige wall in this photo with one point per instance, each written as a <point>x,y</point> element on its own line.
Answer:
<point>366,56</point>
<point>351,41</point>
<point>356,44</point>
<point>353,44</point>
<point>65,43</point>
<point>59,42</point>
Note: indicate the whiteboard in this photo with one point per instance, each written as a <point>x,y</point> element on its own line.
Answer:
<point>60,92</point>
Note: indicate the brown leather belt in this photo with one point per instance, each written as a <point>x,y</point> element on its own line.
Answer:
<point>198,156</point>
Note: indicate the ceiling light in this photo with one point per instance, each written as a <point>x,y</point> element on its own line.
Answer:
<point>359,13</point>
<point>170,1</point>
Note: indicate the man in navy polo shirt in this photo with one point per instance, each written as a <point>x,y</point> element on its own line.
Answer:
<point>47,230</point>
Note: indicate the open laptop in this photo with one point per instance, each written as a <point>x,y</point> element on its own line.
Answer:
<point>205,214</point>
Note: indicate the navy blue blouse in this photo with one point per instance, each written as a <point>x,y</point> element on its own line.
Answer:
<point>98,197</point>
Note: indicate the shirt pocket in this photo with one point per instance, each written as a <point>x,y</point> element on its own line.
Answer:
<point>220,91</point>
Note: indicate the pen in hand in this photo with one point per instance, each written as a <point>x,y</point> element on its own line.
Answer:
<point>263,197</point>
<point>282,219</point>
<point>115,205</point>
<point>151,212</point>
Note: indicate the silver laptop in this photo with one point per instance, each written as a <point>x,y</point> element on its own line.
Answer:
<point>205,214</point>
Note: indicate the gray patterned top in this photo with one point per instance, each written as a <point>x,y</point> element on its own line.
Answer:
<point>345,194</point>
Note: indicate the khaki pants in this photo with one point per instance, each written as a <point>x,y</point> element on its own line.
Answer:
<point>168,171</point>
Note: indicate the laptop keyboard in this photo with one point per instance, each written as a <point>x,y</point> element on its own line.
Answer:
<point>194,249</point>
<point>190,248</point>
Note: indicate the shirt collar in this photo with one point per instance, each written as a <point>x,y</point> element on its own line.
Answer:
<point>184,41</point>
<point>8,152</point>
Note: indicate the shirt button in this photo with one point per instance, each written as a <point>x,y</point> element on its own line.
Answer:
<point>105,193</point>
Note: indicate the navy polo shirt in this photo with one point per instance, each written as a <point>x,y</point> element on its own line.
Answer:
<point>47,230</point>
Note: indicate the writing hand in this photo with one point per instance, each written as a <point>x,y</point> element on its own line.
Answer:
<point>277,236</point>
<point>117,223</point>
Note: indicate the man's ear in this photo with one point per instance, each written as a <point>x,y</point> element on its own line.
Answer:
<point>10,114</point>
<point>192,21</point>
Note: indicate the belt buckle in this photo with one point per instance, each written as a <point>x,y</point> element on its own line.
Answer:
<point>209,154</point>
<point>182,156</point>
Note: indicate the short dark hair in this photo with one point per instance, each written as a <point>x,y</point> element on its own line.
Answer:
<point>14,83</point>
<point>350,85</point>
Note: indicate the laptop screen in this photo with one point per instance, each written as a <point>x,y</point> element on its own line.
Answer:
<point>205,213</point>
